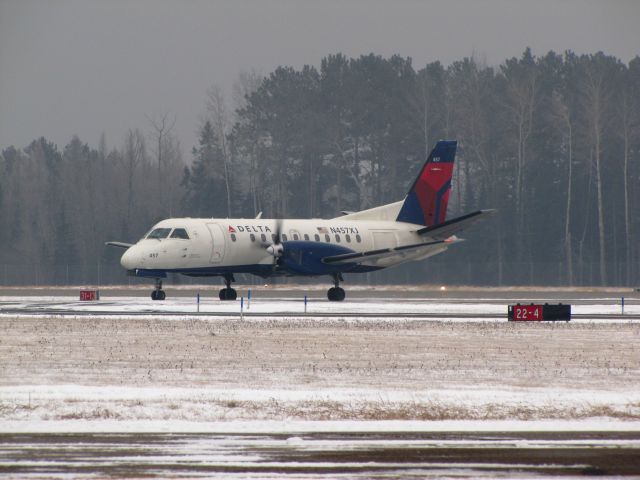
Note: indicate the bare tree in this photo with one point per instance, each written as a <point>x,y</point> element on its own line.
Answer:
<point>472,108</point>
<point>520,99</point>
<point>247,82</point>
<point>162,128</point>
<point>596,95</point>
<point>627,131</point>
<point>217,108</point>
<point>134,153</point>
<point>561,110</point>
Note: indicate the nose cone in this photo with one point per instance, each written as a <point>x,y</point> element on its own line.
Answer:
<point>129,259</point>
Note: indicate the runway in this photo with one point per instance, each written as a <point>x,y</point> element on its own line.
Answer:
<point>322,455</point>
<point>73,309</point>
<point>269,304</point>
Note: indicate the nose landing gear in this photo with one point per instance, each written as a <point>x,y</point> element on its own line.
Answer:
<point>336,294</point>
<point>228,293</point>
<point>158,293</point>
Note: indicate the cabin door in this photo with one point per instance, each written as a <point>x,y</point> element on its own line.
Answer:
<point>217,245</point>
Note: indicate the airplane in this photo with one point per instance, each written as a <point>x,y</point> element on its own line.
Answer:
<point>412,229</point>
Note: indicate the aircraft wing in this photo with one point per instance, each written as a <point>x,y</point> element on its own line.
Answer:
<point>360,257</point>
<point>119,244</point>
<point>445,229</point>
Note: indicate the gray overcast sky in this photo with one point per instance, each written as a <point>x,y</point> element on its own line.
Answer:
<point>87,66</point>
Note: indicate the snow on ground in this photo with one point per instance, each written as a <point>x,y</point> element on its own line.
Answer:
<point>186,373</point>
<point>294,427</point>
<point>109,408</point>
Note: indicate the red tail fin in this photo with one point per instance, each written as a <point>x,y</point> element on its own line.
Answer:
<point>426,202</point>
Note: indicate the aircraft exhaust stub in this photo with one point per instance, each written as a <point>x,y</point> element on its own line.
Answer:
<point>539,312</point>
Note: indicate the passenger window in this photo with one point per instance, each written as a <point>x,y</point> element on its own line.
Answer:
<point>179,233</point>
<point>263,237</point>
<point>348,238</point>
<point>317,237</point>
<point>306,237</point>
<point>337,238</point>
<point>295,236</point>
<point>233,237</point>
<point>327,238</point>
<point>252,237</point>
<point>284,237</point>
<point>159,233</point>
<point>358,238</point>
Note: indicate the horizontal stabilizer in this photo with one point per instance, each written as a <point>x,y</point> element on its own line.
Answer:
<point>119,244</point>
<point>359,257</point>
<point>444,230</point>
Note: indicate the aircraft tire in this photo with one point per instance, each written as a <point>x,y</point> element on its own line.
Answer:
<point>158,295</point>
<point>336,294</point>
<point>227,294</point>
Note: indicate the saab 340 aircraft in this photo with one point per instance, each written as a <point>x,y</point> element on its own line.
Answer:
<point>412,229</point>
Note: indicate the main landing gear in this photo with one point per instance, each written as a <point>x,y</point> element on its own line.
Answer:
<point>336,294</point>
<point>228,293</point>
<point>158,293</point>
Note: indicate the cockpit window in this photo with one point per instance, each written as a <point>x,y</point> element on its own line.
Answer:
<point>159,233</point>
<point>179,233</point>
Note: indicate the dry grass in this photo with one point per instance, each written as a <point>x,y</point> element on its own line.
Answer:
<point>326,410</point>
<point>317,356</point>
<point>274,409</point>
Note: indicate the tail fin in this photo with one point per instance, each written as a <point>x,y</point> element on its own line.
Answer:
<point>426,202</point>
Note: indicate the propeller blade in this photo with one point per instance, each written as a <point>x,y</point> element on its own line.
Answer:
<point>277,250</point>
<point>275,247</point>
<point>278,231</point>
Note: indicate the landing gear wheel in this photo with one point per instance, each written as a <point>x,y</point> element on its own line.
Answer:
<point>228,294</point>
<point>335,294</point>
<point>158,293</point>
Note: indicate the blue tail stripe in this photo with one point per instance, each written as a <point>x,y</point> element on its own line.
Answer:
<point>439,196</point>
<point>411,211</point>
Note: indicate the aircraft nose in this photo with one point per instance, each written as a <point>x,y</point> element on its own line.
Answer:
<point>129,258</point>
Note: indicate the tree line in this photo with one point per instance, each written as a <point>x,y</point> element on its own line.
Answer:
<point>552,142</point>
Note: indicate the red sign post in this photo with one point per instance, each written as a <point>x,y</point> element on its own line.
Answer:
<point>527,312</point>
<point>89,295</point>
<point>533,313</point>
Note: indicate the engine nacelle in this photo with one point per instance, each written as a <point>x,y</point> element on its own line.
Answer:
<point>305,258</point>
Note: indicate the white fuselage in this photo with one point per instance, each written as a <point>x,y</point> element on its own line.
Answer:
<point>240,245</point>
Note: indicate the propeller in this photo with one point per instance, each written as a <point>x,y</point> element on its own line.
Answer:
<point>275,248</point>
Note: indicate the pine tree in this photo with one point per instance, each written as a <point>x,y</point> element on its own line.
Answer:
<point>204,181</point>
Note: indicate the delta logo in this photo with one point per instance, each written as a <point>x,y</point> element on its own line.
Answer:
<point>249,228</point>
